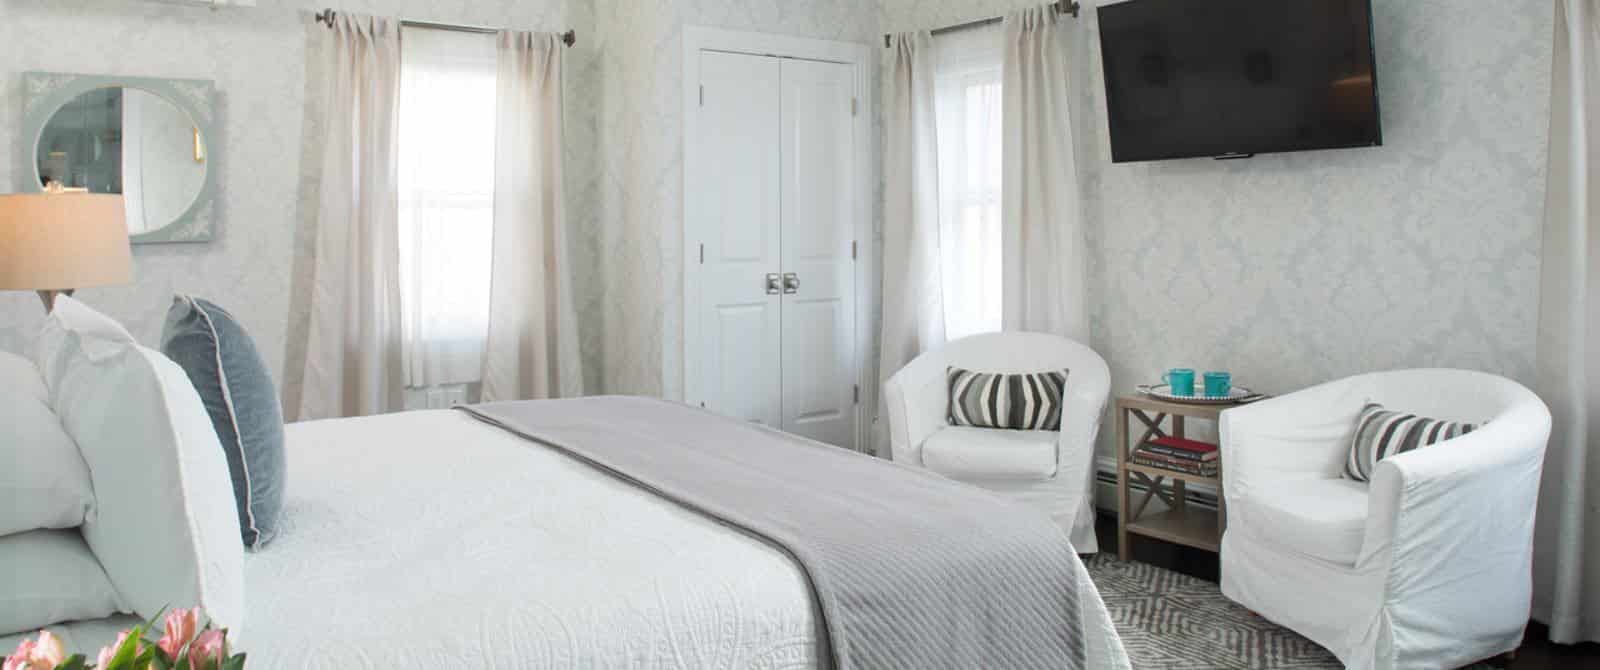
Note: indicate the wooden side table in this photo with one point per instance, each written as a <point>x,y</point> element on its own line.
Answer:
<point>1180,524</point>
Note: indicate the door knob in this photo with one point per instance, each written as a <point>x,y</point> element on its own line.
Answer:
<point>774,285</point>
<point>791,282</point>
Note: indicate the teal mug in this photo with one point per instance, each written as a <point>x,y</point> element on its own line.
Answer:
<point>1180,380</point>
<point>1218,384</point>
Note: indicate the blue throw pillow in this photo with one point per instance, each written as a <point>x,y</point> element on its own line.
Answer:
<point>224,366</point>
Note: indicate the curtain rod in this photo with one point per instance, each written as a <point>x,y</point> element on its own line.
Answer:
<point>568,38</point>
<point>1062,7</point>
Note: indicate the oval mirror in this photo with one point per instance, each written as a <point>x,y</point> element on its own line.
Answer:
<point>150,140</point>
<point>129,141</point>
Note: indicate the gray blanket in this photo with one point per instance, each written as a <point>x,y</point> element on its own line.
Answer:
<point>908,569</point>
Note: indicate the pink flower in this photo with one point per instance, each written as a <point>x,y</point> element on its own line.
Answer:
<point>108,653</point>
<point>208,649</point>
<point>48,652</point>
<point>181,627</point>
<point>44,654</point>
<point>21,658</point>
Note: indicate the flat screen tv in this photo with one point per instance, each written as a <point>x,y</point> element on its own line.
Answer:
<point>1235,78</point>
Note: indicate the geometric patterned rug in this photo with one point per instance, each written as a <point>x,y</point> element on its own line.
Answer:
<point>1171,621</point>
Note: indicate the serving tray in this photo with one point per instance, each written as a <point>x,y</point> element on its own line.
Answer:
<point>1237,396</point>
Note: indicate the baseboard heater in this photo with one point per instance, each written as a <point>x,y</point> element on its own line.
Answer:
<point>1204,499</point>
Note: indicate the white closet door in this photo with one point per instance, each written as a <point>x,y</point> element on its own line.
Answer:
<point>736,195</point>
<point>819,356</point>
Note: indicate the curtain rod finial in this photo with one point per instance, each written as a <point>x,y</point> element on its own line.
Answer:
<point>569,38</point>
<point>325,16</point>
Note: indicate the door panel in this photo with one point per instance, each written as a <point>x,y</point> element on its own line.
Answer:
<point>743,332</point>
<point>818,224</point>
<point>736,196</point>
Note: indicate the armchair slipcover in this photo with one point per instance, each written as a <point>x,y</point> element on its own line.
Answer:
<point>1052,471</point>
<point>1429,565</point>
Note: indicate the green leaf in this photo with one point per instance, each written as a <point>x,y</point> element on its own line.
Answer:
<point>123,659</point>
<point>159,660</point>
<point>155,622</point>
<point>77,662</point>
<point>138,631</point>
<point>234,663</point>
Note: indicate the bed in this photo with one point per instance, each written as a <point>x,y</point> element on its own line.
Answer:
<point>591,532</point>
<point>430,538</point>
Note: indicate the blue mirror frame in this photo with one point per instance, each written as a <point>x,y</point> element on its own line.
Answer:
<point>46,92</point>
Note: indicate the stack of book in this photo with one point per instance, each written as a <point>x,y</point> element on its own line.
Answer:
<point>1178,454</point>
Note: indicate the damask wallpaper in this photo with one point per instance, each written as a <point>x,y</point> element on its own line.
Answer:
<point>258,265</point>
<point>1293,269</point>
<point>1287,270</point>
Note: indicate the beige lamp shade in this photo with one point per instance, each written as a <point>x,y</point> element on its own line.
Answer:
<point>63,241</point>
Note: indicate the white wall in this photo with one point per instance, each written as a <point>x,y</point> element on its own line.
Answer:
<point>257,57</point>
<point>1303,267</point>
<point>1293,269</point>
<point>623,112</point>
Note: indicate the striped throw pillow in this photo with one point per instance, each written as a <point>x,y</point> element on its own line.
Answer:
<point>1015,402</point>
<point>1381,433</point>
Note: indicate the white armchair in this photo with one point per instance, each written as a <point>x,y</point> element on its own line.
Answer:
<point>1429,565</point>
<point>1048,470</point>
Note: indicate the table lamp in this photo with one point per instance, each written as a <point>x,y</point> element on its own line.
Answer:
<point>55,243</point>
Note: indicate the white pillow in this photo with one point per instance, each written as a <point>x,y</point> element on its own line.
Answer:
<point>43,481</point>
<point>163,524</point>
<point>21,377</point>
<point>82,320</point>
<point>51,577</point>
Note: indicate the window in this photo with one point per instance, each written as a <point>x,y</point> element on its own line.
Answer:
<point>967,95</point>
<point>446,172</point>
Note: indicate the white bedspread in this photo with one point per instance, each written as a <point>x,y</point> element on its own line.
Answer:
<point>429,539</point>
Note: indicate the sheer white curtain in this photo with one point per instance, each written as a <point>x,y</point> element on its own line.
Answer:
<point>447,180</point>
<point>913,291</point>
<point>532,345</point>
<point>1045,274</point>
<point>968,91</point>
<point>353,361</point>
<point>1567,539</point>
